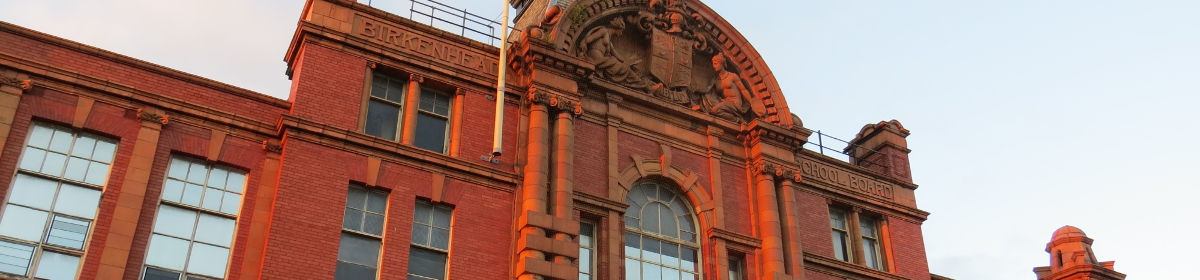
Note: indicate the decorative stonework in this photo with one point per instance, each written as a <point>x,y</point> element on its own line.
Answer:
<point>273,148</point>
<point>151,117</point>
<point>554,101</point>
<point>23,84</point>
<point>779,171</point>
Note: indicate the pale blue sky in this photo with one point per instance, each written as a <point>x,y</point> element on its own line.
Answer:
<point>1025,115</point>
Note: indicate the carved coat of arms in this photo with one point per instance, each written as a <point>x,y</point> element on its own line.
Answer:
<point>671,59</point>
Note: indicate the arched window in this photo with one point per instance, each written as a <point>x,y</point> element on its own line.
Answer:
<point>660,235</point>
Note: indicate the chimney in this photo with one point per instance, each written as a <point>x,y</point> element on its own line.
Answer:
<point>882,147</point>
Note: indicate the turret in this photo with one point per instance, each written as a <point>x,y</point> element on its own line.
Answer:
<point>1071,257</point>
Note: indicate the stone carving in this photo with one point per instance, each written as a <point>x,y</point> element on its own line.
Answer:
<point>597,47</point>
<point>23,84</point>
<point>554,102</point>
<point>151,117</point>
<point>273,148</point>
<point>730,97</point>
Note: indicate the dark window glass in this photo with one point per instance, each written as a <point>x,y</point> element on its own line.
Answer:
<point>67,232</point>
<point>426,263</point>
<point>431,132</point>
<point>348,271</point>
<point>158,274</point>
<point>382,119</point>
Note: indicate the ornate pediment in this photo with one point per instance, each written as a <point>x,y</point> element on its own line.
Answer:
<point>676,50</point>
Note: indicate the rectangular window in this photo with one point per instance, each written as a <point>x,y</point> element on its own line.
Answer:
<point>362,234</point>
<point>195,223</point>
<point>838,220</point>
<point>54,198</point>
<point>430,241</point>
<point>870,242</point>
<point>587,251</point>
<point>737,267</point>
<point>433,121</point>
<point>385,107</point>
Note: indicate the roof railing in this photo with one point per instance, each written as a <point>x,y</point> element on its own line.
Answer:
<point>445,17</point>
<point>838,153</point>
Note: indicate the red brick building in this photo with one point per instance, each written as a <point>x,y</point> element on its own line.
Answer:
<point>642,139</point>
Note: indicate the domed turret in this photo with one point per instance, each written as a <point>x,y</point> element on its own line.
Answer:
<point>1071,257</point>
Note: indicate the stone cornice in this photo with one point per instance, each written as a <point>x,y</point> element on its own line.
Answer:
<point>129,97</point>
<point>759,131</point>
<point>600,202</point>
<point>841,269</point>
<point>141,64</point>
<point>804,153</point>
<point>735,238</point>
<point>361,143</point>
<point>887,208</point>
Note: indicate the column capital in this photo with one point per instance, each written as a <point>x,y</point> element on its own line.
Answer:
<point>416,78</point>
<point>146,115</point>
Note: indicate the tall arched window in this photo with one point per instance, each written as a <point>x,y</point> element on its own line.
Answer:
<point>660,235</point>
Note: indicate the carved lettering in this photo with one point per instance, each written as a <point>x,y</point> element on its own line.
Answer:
<point>845,179</point>
<point>411,42</point>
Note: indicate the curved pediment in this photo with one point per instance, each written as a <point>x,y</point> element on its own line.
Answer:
<point>677,50</point>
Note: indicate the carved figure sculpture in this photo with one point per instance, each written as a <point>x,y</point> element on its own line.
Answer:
<point>597,47</point>
<point>731,90</point>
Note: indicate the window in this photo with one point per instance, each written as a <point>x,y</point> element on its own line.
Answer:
<point>870,242</point>
<point>430,241</point>
<point>737,268</point>
<point>859,245</point>
<point>385,107</point>
<point>53,201</point>
<point>660,237</point>
<point>587,251</point>
<point>195,223</point>
<point>362,234</point>
<point>841,234</point>
<point>386,117</point>
<point>433,121</point>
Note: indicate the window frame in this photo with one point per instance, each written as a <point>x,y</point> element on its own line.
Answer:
<point>593,247</point>
<point>43,245</point>
<point>449,238</point>
<point>877,258</point>
<point>737,267</point>
<point>360,233</point>
<point>368,97</point>
<point>199,210</point>
<point>448,117</point>
<point>696,245</point>
<point>857,251</point>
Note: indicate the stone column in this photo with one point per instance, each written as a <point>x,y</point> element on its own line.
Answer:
<point>12,85</point>
<point>412,99</point>
<point>564,166</point>
<point>791,226</point>
<point>115,256</point>
<point>772,258</point>
<point>533,188</point>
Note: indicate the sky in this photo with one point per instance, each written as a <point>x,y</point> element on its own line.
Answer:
<point>1026,115</point>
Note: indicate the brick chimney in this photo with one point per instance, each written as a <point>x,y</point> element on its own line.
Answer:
<point>1071,258</point>
<point>882,147</point>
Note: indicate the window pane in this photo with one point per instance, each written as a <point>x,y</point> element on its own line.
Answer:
<point>76,169</point>
<point>839,246</point>
<point>353,219</point>
<point>217,177</point>
<point>196,173</point>
<point>158,274</point>
<point>348,271</point>
<point>373,224</point>
<point>14,258</point>
<point>585,260</point>
<point>633,269</point>
<point>837,219</point>
<point>97,174</point>
<point>651,271</point>
<point>440,239</point>
<point>867,226</point>
<point>423,213</point>
<point>359,249</point>
<point>40,136</point>
<point>54,164</point>
<point>441,217</point>
<point>167,252</point>
<point>208,260</point>
<point>32,160</point>
<point>356,198</point>
<point>23,223</point>
<point>33,191</point>
<point>231,204</point>
<point>632,245</point>
<point>236,182</point>
<point>83,147</point>
<point>172,190</point>
<point>68,232</point>
<point>870,254</point>
<point>61,141</point>
<point>376,202</point>
<point>382,119</point>
<point>670,254</point>
<point>431,133</point>
<point>215,230</point>
<point>650,221</point>
<point>77,201</point>
<point>669,227</point>
<point>632,222</point>
<point>212,199</point>
<point>175,221</point>
<point>687,257</point>
<point>420,234</point>
<point>191,194</point>
<point>586,233</point>
<point>637,197</point>
<point>650,250</point>
<point>427,263</point>
<point>670,274</point>
<point>179,169</point>
<point>55,266</point>
<point>104,151</point>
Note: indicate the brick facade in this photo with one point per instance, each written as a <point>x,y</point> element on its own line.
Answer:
<point>575,141</point>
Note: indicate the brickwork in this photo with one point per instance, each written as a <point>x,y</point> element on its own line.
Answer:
<point>909,247</point>
<point>330,92</point>
<point>591,158</point>
<point>737,199</point>
<point>814,220</point>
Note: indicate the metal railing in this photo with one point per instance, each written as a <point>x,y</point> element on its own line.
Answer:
<point>839,153</point>
<point>446,18</point>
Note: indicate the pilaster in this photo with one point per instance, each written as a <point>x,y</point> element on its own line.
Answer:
<point>115,257</point>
